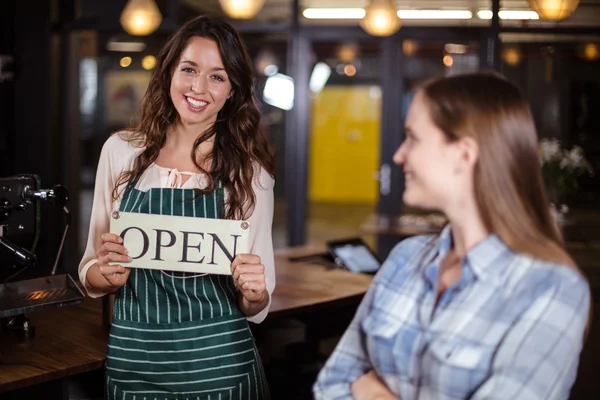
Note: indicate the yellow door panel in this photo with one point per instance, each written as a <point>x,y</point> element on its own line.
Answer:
<point>344,145</point>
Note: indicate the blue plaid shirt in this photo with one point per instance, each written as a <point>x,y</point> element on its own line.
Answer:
<point>510,328</point>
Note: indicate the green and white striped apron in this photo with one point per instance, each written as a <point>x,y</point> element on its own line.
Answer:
<point>178,335</point>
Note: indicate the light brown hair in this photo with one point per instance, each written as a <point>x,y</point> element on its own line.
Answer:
<point>508,183</point>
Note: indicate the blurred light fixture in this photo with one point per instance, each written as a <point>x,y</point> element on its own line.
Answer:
<point>350,70</point>
<point>375,92</point>
<point>348,52</point>
<point>149,62</point>
<point>434,14</point>
<point>554,10</point>
<point>448,61</point>
<point>380,18</point>
<point>333,13</point>
<point>512,56</point>
<point>125,62</point>
<point>320,74</point>
<point>409,47</point>
<point>242,9</point>
<point>266,61</point>
<point>359,13</point>
<point>509,14</point>
<point>140,17</point>
<point>125,46</point>
<point>270,70</point>
<point>279,91</point>
<point>453,48</point>
<point>589,52</point>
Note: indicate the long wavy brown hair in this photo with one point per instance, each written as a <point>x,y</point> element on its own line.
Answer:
<point>509,186</point>
<point>239,147</point>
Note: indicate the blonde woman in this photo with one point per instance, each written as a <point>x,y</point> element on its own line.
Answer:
<point>493,307</point>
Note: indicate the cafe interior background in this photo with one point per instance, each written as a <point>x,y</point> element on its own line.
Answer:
<point>334,82</point>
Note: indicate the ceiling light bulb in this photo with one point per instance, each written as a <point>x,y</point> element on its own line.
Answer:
<point>380,18</point>
<point>242,9</point>
<point>140,17</point>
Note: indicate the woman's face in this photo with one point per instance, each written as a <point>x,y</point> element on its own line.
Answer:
<point>199,86</point>
<point>428,161</point>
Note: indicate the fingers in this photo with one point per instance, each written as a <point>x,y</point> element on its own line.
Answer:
<point>110,247</point>
<point>249,276</point>
<point>108,270</point>
<point>116,275</point>
<point>114,257</point>
<point>248,269</point>
<point>372,375</point>
<point>113,251</point>
<point>111,237</point>
<point>252,296</point>
<point>249,282</point>
<point>245,259</point>
<point>112,243</point>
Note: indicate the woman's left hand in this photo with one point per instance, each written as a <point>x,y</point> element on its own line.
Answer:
<point>371,387</point>
<point>249,276</point>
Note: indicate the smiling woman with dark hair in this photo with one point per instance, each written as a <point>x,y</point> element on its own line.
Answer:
<point>196,152</point>
<point>493,307</point>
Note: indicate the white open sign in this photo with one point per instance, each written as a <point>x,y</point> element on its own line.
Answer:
<point>190,244</point>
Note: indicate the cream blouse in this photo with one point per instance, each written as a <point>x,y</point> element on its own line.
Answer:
<point>118,155</point>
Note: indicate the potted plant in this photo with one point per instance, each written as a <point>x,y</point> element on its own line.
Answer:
<point>561,169</point>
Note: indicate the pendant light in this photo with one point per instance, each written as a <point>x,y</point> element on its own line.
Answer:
<point>140,17</point>
<point>241,9</point>
<point>380,18</point>
<point>554,10</point>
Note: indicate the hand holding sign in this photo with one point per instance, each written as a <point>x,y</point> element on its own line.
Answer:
<point>113,251</point>
<point>175,243</point>
<point>249,276</point>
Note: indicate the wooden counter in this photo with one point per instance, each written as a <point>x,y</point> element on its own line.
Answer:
<point>301,286</point>
<point>67,341</point>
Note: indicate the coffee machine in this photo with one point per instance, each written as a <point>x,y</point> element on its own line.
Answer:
<point>20,221</point>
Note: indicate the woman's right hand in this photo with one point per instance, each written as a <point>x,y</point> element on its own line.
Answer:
<point>112,250</point>
<point>371,387</point>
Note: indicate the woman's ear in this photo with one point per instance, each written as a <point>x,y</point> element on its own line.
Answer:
<point>468,154</point>
<point>230,94</point>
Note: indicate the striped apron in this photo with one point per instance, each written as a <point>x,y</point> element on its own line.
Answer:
<point>178,335</point>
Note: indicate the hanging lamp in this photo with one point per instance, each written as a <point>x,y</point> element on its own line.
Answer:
<point>380,18</point>
<point>140,17</point>
<point>241,9</point>
<point>554,10</point>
